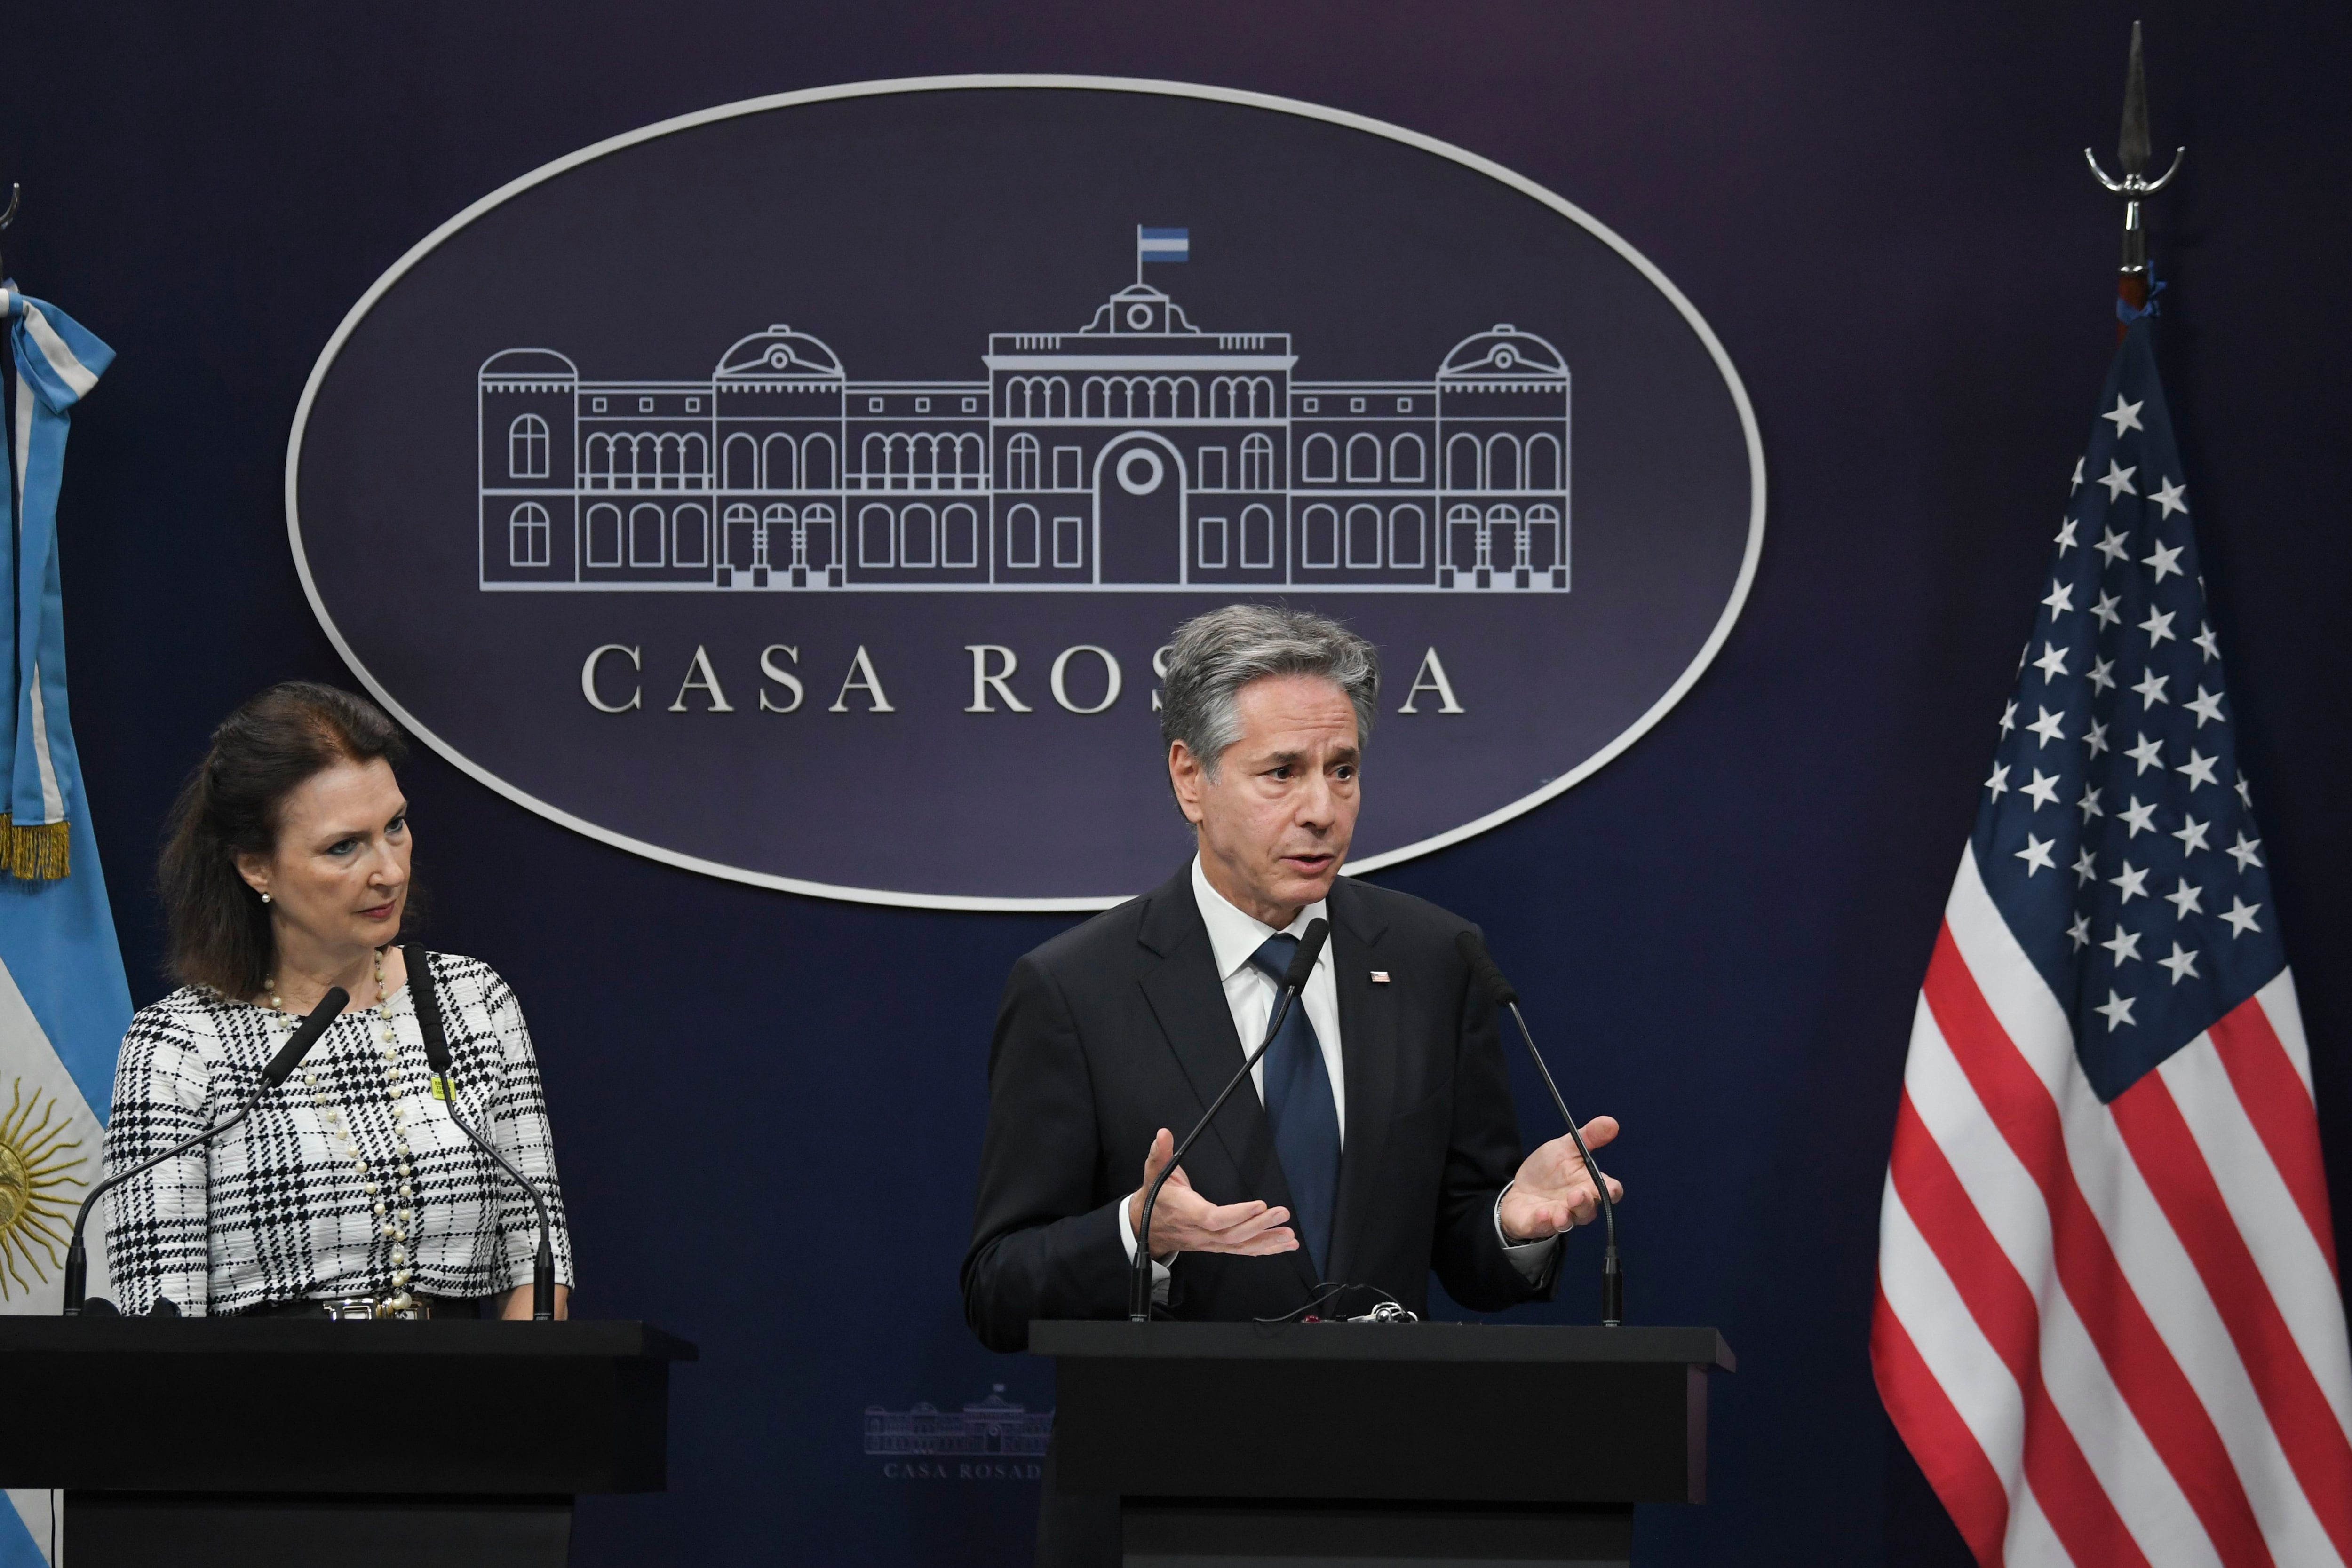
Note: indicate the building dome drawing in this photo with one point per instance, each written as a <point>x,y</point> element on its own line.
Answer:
<point>781,351</point>
<point>1503,351</point>
<point>537,364</point>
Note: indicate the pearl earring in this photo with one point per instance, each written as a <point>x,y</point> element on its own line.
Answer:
<point>265,898</point>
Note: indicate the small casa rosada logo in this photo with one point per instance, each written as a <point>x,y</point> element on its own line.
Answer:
<point>991,1439</point>
<point>753,599</point>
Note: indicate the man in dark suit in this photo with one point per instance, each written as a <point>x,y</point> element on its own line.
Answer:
<point>1381,1141</point>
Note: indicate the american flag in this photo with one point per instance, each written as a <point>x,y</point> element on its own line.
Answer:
<point>2108,1324</point>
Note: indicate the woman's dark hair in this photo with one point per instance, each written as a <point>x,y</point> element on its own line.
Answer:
<point>233,804</point>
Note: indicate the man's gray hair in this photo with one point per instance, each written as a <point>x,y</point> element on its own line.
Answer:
<point>1213,657</point>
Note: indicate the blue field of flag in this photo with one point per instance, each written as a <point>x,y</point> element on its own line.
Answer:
<point>1163,245</point>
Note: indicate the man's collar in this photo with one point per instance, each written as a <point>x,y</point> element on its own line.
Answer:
<point>1235,935</point>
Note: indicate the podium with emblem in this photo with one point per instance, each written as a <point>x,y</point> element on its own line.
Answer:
<point>1247,1444</point>
<point>210,1442</point>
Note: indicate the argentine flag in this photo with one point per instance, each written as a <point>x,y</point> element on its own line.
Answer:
<point>1162,245</point>
<point>64,1002</point>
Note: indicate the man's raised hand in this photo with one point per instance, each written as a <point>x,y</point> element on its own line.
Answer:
<point>1553,1190</point>
<point>1184,1222</point>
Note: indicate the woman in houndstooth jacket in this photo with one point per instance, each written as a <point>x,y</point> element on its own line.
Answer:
<point>351,1191</point>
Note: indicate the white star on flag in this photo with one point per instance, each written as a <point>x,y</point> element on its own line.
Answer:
<point>2086,870</point>
<point>2141,818</point>
<point>2158,627</point>
<point>2090,804</point>
<point>2111,544</point>
<point>1998,782</point>
<point>2148,754</point>
<point>2118,481</point>
<point>2052,662</point>
<point>2207,705</point>
<point>2125,414</point>
<point>2244,851</point>
<point>2169,496</point>
<point>2047,725</point>
<point>2200,769</point>
<point>2104,610</point>
<point>2060,599</point>
<point>2133,881</point>
<point>2116,1010</point>
<point>2191,835</point>
<point>2065,536</point>
<point>2183,963</point>
<point>2240,917</point>
<point>2043,789</point>
<point>2163,561</point>
<point>2123,945</point>
<point>2036,855</point>
<point>2184,900</point>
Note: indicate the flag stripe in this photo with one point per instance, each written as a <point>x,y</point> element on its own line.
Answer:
<point>1949,1455</point>
<point>2175,1169</point>
<point>2287,1255</point>
<point>2279,1104</point>
<point>2145,1370</point>
<point>2127,1469</point>
<point>2078,1510</point>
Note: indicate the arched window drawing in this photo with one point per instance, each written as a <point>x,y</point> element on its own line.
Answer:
<point>1543,463</point>
<point>1466,540</point>
<point>960,535</point>
<point>604,535</point>
<point>599,464</point>
<point>1408,460</point>
<point>527,447</point>
<point>816,463</point>
<point>739,461</point>
<point>1318,459</point>
<point>1544,542</point>
<point>1363,535</point>
<point>1258,462</point>
<point>669,457</point>
<point>1021,463</point>
<point>1507,543</point>
<point>1036,397</point>
<point>971,463</point>
<point>776,466</point>
<point>1462,466</point>
<point>1502,462</point>
<point>527,535</point>
<point>690,537</point>
<point>1406,536</point>
<point>1257,536</point>
<point>646,527</point>
<point>1363,460</point>
<point>1021,536</point>
<point>1094,398</point>
<point>813,545</point>
<point>876,531</point>
<point>919,537</point>
<point>1318,539</point>
<point>698,462</point>
<point>873,459</point>
<point>738,537</point>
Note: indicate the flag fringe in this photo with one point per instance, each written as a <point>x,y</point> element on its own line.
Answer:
<point>37,851</point>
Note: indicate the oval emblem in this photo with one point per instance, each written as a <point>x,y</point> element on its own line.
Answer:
<point>803,491</point>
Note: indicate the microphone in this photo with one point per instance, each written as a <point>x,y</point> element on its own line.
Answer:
<point>1483,967</point>
<point>280,1068</point>
<point>1294,981</point>
<point>437,1057</point>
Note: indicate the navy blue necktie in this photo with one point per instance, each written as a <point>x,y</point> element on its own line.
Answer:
<point>1306,1116</point>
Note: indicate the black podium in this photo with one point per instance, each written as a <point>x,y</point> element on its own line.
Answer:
<point>209,1443</point>
<point>1243,1445</point>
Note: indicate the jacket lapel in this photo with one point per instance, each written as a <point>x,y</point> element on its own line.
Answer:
<point>1368,1049</point>
<point>1188,1000</point>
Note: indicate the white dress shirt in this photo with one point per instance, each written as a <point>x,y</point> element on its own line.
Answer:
<point>1250,993</point>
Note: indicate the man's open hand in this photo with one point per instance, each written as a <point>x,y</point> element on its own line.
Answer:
<point>1553,1190</point>
<point>1184,1222</point>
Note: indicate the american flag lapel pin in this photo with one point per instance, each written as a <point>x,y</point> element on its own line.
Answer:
<point>1380,977</point>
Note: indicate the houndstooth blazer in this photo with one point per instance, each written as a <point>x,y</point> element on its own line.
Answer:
<point>273,1210</point>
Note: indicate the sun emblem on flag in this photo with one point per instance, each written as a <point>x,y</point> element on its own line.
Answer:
<point>33,1167</point>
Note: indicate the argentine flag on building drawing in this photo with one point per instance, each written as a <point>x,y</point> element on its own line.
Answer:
<point>1162,245</point>
<point>64,1002</point>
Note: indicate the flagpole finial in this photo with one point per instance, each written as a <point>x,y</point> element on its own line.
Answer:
<point>2133,186</point>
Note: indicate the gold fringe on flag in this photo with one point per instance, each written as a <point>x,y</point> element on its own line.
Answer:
<point>36,853</point>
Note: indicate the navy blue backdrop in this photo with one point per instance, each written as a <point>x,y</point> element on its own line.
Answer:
<point>769,1107</point>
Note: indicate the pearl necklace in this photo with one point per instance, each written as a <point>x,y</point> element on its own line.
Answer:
<point>394,1222</point>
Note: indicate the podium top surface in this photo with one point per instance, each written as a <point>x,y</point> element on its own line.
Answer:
<point>574,1340</point>
<point>1124,1340</point>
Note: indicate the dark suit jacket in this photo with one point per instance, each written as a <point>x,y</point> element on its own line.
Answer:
<point>1119,1028</point>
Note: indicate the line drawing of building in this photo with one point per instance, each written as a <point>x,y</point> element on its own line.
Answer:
<point>1139,454</point>
<point>988,1427</point>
